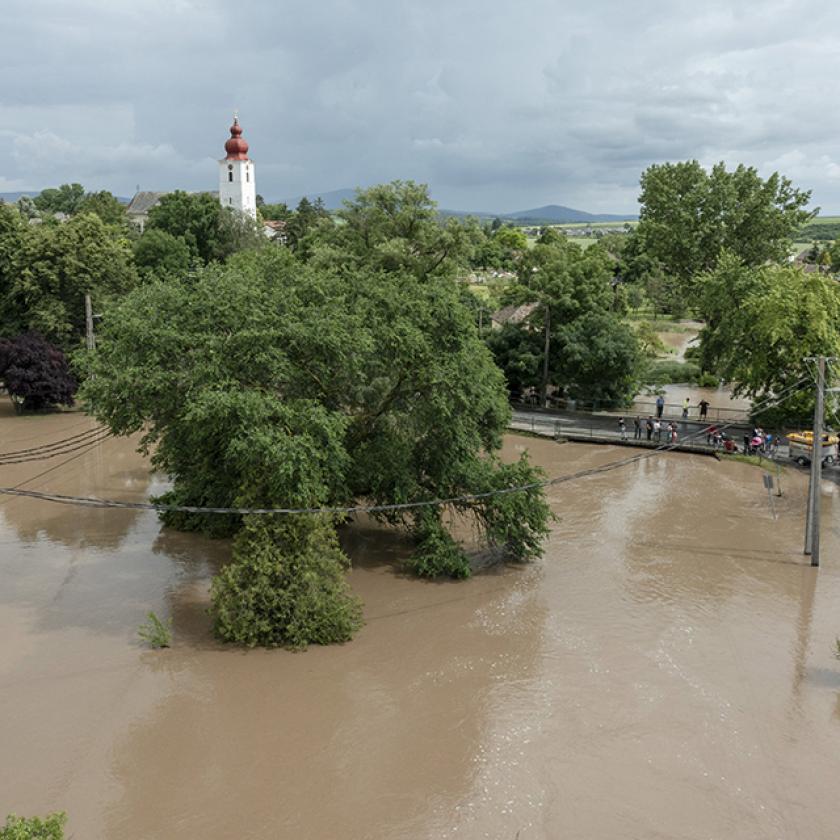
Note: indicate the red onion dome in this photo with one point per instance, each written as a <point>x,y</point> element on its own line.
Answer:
<point>236,147</point>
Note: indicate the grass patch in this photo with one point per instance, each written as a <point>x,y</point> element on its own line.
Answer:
<point>753,460</point>
<point>156,633</point>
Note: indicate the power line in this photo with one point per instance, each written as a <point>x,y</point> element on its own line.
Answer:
<point>55,446</point>
<point>90,501</point>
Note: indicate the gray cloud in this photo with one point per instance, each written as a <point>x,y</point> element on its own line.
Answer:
<point>496,106</point>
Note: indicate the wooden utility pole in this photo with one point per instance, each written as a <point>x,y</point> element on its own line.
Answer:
<point>812,517</point>
<point>89,337</point>
<point>544,396</point>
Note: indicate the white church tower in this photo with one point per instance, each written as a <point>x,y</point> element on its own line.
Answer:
<point>237,184</point>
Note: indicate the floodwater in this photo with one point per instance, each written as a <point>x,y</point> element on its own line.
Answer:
<point>665,671</point>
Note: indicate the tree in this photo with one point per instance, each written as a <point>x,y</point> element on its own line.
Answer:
<point>210,231</point>
<point>593,353</point>
<point>291,572</point>
<point>65,199</point>
<point>53,268</point>
<point>763,323</point>
<point>26,207</point>
<point>104,205</point>
<point>394,227</point>
<point>160,253</point>
<point>689,216</point>
<point>36,374</point>
<point>270,383</point>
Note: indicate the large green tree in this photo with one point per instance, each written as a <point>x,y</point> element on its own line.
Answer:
<point>593,353</point>
<point>64,199</point>
<point>763,323</point>
<point>396,228</point>
<point>210,231</point>
<point>271,383</point>
<point>689,216</point>
<point>51,269</point>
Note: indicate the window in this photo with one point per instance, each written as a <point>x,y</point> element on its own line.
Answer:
<point>230,176</point>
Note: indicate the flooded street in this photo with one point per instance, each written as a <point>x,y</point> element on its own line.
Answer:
<point>665,670</point>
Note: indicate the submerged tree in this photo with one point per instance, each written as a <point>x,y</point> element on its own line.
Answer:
<point>270,383</point>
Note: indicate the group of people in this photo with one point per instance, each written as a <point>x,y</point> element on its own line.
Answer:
<point>654,428</point>
<point>703,408</point>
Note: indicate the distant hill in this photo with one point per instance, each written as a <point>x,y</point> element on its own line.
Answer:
<point>12,197</point>
<point>557,214</point>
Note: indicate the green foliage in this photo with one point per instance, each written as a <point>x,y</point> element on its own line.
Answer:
<point>649,341</point>
<point>155,632</point>
<point>436,553</point>
<point>689,216</point>
<point>34,828</point>
<point>819,231</point>
<point>763,323</point>
<point>210,231</point>
<point>104,205</point>
<point>64,199</point>
<point>395,228</point>
<point>708,380</point>
<point>666,372</point>
<point>47,270</point>
<point>285,586</point>
<point>593,353</point>
<point>271,383</point>
<point>159,253</point>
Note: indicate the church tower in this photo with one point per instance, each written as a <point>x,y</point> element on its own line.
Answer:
<point>237,184</point>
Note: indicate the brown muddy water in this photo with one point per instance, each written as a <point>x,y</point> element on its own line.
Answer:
<point>665,671</point>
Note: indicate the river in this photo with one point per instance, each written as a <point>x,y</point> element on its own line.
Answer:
<point>666,670</point>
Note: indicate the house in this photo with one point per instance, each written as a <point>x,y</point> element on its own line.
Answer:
<point>139,206</point>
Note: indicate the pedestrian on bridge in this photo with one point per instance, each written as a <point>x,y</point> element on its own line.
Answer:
<point>649,427</point>
<point>637,428</point>
<point>622,427</point>
<point>686,405</point>
<point>704,408</point>
<point>660,405</point>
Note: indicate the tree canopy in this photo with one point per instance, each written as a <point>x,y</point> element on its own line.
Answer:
<point>210,231</point>
<point>269,382</point>
<point>593,353</point>
<point>764,321</point>
<point>690,216</point>
<point>46,270</point>
<point>35,373</point>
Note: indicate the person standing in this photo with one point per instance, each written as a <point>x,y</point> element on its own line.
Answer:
<point>711,432</point>
<point>686,405</point>
<point>657,429</point>
<point>637,428</point>
<point>622,428</point>
<point>673,432</point>
<point>704,408</point>
<point>660,405</point>
<point>649,427</point>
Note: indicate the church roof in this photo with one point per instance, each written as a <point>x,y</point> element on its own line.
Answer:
<point>237,146</point>
<point>143,202</point>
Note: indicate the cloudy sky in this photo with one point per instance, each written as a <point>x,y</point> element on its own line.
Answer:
<point>497,106</point>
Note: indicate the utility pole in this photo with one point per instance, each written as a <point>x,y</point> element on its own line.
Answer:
<point>812,519</point>
<point>545,355</point>
<point>90,339</point>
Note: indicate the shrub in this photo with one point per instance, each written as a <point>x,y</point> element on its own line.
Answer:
<point>36,373</point>
<point>285,586</point>
<point>155,632</point>
<point>437,554</point>
<point>666,372</point>
<point>34,828</point>
<point>708,380</point>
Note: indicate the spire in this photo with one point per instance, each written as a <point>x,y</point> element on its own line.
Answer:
<point>236,147</point>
